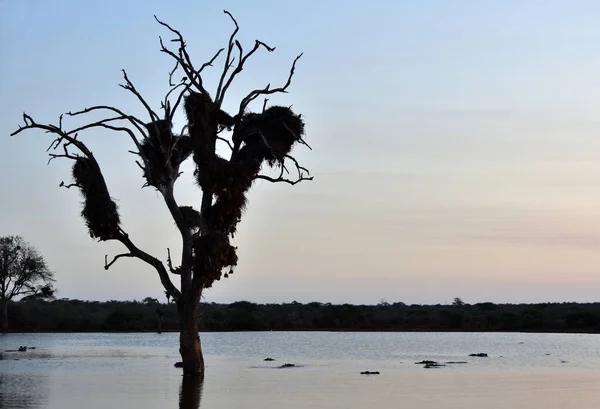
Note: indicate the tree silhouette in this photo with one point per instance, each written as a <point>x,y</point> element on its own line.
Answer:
<point>254,139</point>
<point>23,272</point>
<point>153,303</point>
<point>458,302</point>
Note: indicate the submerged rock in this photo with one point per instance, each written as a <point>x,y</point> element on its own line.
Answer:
<point>480,354</point>
<point>370,373</point>
<point>426,362</point>
<point>287,366</point>
<point>268,359</point>
<point>457,362</point>
<point>433,365</point>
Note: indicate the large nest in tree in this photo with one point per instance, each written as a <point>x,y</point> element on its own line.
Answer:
<point>218,175</point>
<point>164,152</point>
<point>269,135</point>
<point>204,118</point>
<point>227,211</point>
<point>213,173</point>
<point>228,182</point>
<point>100,212</point>
<point>192,217</point>
<point>212,253</point>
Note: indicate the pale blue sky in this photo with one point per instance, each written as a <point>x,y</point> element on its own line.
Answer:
<point>456,148</point>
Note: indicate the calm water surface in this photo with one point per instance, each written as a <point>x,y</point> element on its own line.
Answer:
<point>136,371</point>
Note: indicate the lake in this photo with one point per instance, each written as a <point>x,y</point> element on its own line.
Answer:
<point>135,370</point>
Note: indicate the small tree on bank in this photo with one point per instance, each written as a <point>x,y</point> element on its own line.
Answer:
<point>153,303</point>
<point>23,272</point>
<point>458,302</point>
<point>254,139</point>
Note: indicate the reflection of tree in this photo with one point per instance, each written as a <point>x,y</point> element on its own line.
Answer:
<point>20,390</point>
<point>190,392</point>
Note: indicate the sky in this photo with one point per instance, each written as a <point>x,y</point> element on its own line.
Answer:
<point>456,148</point>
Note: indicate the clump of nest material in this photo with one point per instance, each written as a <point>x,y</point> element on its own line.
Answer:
<point>226,212</point>
<point>205,118</point>
<point>164,152</point>
<point>192,217</point>
<point>212,253</point>
<point>269,135</point>
<point>214,173</point>
<point>100,212</point>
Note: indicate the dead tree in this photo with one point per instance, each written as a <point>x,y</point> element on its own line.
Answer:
<point>256,140</point>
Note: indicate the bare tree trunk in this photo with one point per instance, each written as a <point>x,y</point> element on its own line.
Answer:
<point>159,317</point>
<point>189,339</point>
<point>4,305</point>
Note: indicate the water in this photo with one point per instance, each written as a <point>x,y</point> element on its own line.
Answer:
<point>136,371</point>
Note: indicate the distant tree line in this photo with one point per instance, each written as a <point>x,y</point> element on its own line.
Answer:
<point>35,314</point>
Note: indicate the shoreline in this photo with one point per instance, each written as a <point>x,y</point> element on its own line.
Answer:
<point>308,330</point>
<point>62,316</point>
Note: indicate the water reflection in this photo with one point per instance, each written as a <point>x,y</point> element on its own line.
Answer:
<point>190,392</point>
<point>135,371</point>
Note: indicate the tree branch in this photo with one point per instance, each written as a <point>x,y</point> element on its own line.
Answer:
<point>115,258</point>
<point>66,139</point>
<point>183,59</point>
<point>104,124</point>
<point>240,66</point>
<point>136,122</point>
<point>302,171</point>
<point>57,130</point>
<point>166,104</point>
<point>130,87</point>
<point>170,264</point>
<point>153,261</point>
<point>268,90</point>
<point>227,142</point>
<point>70,185</point>
<point>185,270</point>
<point>228,61</point>
<point>282,179</point>
<point>65,155</point>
